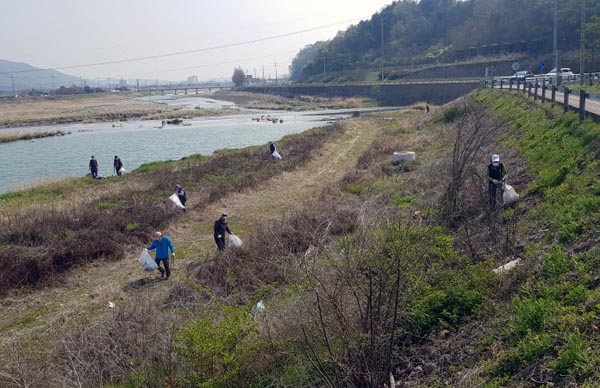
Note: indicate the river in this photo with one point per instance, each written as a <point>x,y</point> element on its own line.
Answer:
<point>25,163</point>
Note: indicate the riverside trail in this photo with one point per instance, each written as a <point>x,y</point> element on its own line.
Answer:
<point>34,318</point>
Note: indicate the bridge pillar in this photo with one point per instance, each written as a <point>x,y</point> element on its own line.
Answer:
<point>185,90</point>
<point>162,92</point>
<point>209,89</point>
<point>196,90</point>
<point>175,91</point>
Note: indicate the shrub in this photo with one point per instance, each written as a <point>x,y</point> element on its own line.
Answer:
<point>219,347</point>
<point>531,314</point>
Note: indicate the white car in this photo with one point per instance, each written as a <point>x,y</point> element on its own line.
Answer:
<point>565,72</point>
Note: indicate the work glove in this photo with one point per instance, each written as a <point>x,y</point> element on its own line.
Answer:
<point>494,181</point>
<point>173,254</point>
<point>219,236</point>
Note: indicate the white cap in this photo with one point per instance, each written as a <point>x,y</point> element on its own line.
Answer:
<point>495,158</point>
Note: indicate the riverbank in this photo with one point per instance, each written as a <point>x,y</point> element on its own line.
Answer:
<point>6,137</point>
<point>273,102</point>
<point>115,107</point>
<point>103,107</point>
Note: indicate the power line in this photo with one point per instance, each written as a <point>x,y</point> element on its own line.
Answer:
<point>229,45</point>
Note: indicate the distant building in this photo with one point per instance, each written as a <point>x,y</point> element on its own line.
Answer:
<point>122,84</point>
<point>192,80</point>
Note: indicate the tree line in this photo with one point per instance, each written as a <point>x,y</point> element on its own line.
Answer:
<point>411,33</point>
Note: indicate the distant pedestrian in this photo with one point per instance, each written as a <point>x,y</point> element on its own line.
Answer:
<point>273,149</point>
<point>221,226</point>
<point>93,165</point>
<point>496,175</point>
<point>181,194</point>
<point>162,244</point>
<point>427,108</point>
<point>119,166</point>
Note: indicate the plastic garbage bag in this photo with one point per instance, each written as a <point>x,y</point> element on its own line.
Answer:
<point>508,266</point>
<point>124,171</point>
<point>509,195</point>
<point>276,155</point>
<point>148,263</point>
<point>176,202</point>
<point>235,241</point>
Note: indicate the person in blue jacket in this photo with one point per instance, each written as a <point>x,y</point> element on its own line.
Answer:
<point>162,244</point>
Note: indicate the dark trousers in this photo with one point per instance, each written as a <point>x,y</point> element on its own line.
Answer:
<point>220,242</point>
<point>94,172</point>
<point>167,269</point>
<point>493,190</point>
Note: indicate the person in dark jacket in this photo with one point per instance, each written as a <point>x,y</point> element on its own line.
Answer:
<point>118,166</point>
<point>181,194</point>
<point>495,174</point>
<point>162,244</point>
<point>93,165</point>
<point>272,147</point>
<point>115,164</point>
<point>221,226</point>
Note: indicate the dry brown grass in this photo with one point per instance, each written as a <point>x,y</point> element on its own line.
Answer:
<point>80,108</point>
<point>81,299</point>
<point>269,101</point>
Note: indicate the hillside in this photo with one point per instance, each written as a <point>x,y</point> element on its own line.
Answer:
<point>27,77</point>
<point>408,34</point>
<point>370,273</point>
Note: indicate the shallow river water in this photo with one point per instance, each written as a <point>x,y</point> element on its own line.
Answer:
<point>25,163</point>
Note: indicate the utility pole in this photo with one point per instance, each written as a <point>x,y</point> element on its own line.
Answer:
<point>558,78</point>
<point>109,88</point>
<point>137,82</point>
<point>324,70</point>
<point>382,45</point>
<point>263,75</point>
<point>582,44</point>
<point>12,78</point>
<point>276,81</point>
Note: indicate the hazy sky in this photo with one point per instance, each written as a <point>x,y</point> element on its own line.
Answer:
<point>60,33</point>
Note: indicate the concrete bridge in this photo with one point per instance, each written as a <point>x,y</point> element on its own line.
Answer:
<point>180,90</point>
<point>386,93</point>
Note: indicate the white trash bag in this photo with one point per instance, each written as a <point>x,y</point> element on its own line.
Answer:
<point>124,171</point>
<point>276,155</point>
<point>509,195</point>
<point>148,263</point>
<point>176,202</point>
<point>235,241</point>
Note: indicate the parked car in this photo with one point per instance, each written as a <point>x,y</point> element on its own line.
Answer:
<point>565,72</point>
<point>520,75</point>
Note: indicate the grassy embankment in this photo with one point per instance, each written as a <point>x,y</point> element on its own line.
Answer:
<point>49,229</point>
<point>390,271</point>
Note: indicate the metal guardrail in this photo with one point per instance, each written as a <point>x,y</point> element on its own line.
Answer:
<point>540,89</point>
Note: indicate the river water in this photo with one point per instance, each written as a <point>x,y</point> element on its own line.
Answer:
<point>26,163</point>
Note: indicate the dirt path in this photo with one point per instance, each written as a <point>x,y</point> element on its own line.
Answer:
<point>85,293</point>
